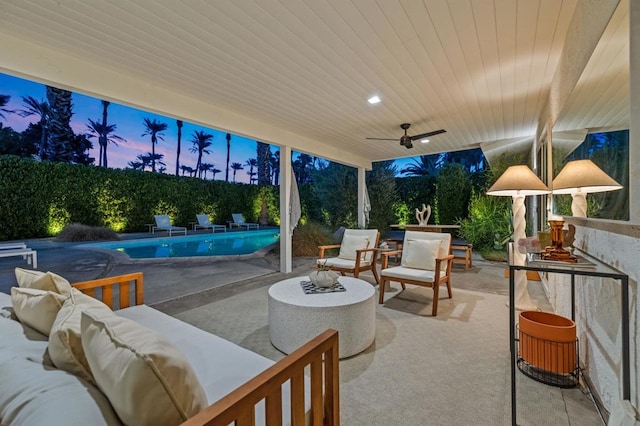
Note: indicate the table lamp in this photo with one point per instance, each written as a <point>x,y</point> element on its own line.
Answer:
<point>579,178</point>
<point>517,182</point>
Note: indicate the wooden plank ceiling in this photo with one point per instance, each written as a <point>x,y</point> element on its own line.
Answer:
<point>480,69</point>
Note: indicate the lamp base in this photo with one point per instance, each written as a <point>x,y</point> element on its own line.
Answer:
<point>558,254</point>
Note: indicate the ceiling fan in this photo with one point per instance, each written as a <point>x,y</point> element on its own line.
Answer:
<point>406,140</point>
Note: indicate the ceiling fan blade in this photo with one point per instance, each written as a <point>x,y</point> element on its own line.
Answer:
<point>381,139</point>
<point>426,135</point>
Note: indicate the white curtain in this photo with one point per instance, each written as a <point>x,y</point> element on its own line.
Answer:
<point>295,211</point>
<point>366,206</point>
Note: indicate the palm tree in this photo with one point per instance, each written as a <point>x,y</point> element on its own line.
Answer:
<point>204,168</point>
<point>157,158</point>
<point>274,162</point>
<point>136,165</point>
<point>102,140</point>
<point>214,171</point>
<point>300,167</point>
<point>236,167</point>
<point>424,165</point>
<point>228,137</point>
<point>251,163</point>
<point>145,160</point>
<point>41,109</point>
<point>201,141</point>
<point>4,100</point>
<point>60,134</point>
<point>179,124</point>
<point>185,169</point>
<point>264,155</point>
<point>154,128</point>
<point>104,135</point>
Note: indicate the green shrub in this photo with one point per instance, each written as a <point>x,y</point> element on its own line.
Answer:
<point>307,237</point>
<point>453,191</point>
<point>489,222</point>
<point>77,232</point>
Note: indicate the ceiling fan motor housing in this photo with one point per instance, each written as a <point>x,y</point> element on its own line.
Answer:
<point>406,141</point>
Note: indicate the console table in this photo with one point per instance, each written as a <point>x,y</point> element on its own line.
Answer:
<point>599,269</point>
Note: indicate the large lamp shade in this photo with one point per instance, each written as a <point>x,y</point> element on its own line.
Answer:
<point>517,182</point>
<point>579,178</point>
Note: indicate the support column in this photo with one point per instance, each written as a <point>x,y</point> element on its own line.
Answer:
<point>285,206</point>
<point>361,187</point>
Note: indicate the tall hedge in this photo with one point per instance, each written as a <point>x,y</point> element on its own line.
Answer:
<point>40,198</point>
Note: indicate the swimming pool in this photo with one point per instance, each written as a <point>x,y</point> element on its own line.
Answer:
<point>222,244</point>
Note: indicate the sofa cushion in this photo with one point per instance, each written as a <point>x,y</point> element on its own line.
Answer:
<point>420,254</point>
<point>47,281</point>
<point>36,308</point>
<point>145,377</point>
<point>65,347</point>
<point>24,277</point>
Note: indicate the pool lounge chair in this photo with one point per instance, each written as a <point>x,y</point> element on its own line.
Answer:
<point>205,223</point>
<point>30,255</point>
<point>163,223</point>
<point>238,220</point>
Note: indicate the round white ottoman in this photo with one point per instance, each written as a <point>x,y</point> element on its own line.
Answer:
<point>296,317</point>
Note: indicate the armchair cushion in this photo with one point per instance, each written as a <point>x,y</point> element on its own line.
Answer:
<point>351,243</point>
<point>47,281</point>
<point>400,272</point>
<point>420,254</point>
<point>337,262</point>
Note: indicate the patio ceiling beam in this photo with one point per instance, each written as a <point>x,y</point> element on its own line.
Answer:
<point>61,69</point>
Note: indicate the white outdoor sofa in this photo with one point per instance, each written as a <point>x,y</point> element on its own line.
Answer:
<point>236,381</point>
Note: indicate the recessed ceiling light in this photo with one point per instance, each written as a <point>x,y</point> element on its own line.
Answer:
<point>425,141</point>
<point>374,99</point>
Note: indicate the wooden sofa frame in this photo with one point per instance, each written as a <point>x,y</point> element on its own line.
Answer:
<point>320,354</point>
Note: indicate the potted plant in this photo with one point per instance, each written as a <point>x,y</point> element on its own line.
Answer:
<point>323,277</point>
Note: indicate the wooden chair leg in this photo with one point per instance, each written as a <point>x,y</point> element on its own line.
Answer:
<point>374,269</point>
<point>404,287</point>
<point>382,284</point>
<point>449,288</point>
<point>356,273</point>
<point>436,290</point>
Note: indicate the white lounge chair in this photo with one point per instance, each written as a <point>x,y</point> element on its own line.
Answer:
<point>6,246</point>
<point>238,220</point>
<point>163,223</point>
<point>205,223</point>
<point>26,253</point>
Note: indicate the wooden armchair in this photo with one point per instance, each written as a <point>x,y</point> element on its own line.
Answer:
<point>425,262</point>
<point>358,253</point>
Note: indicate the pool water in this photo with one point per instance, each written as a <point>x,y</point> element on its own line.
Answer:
<point>220,244</point>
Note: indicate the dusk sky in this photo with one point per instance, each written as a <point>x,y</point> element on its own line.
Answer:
<point>129,122</point>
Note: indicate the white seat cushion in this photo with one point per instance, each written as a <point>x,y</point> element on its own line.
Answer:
<point>402,272</point>
<point>145,377</point>
<point>338,262</point>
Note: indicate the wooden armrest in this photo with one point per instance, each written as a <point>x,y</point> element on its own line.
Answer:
<point>321,249</point>
<point>448,257</point>
<point>386,255</point>
<point>238,407</point>
<point>107,284</point>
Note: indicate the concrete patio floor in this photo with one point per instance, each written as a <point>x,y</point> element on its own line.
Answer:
<point>172,280</point>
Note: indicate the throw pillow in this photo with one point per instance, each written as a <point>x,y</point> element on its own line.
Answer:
<point>65,348</point>
<point>47,281</point>
<point>420,254</point>
<point>36,308</point>
<point>25,277</point>
<point>145,377</point>
<point>351,243</point>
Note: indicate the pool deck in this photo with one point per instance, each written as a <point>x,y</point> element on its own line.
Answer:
<point>167,278</point>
